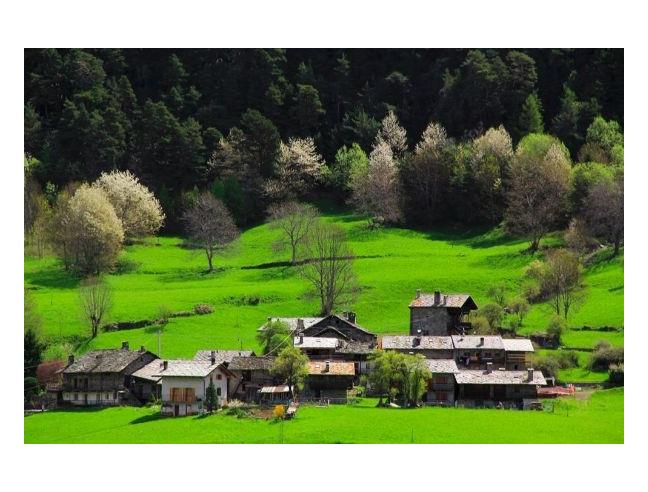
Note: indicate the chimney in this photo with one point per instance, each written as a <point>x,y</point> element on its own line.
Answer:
<point>300,324</point>
<point>142,349</point>
<point>212,357</point>
<point>125,345</point>
<point>351,316</point>
<point>418,293</point>
<point>481,341</point>
<point>70,359</point>
<point>530,373</point>
<point>327,368</point>
<point>437,297</point>
<point>489,367</point>
<point>165,365</point>
<point>301,339</point>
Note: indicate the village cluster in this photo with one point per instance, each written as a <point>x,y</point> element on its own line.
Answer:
<point>467,370</point>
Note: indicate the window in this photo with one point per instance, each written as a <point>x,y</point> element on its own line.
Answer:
<point>441,395</point>
<point>220,376</point>
<point>76,396</point>
<point>218,391</point>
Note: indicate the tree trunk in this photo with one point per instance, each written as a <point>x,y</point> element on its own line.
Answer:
<point>535,244</point>
<point>209,260</point>
<point>617,246</point>
<point>293,259</point>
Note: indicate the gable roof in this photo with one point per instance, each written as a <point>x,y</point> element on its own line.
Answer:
<point>446,301</point>
<point>406,342</point>
<point>329,329</point>
<point>316,342</point>
<point>517,345</point>
<point>252,363</point>
<point>499,377</point>
<point>104,361</point>
<point>492,342</point>
<point>322,322</point>
<point>222,356</point>
<point>150,371</point>
<point>291,322</point>
<point>442,366</point>
<point>335,368</point>
<point>190,369</point>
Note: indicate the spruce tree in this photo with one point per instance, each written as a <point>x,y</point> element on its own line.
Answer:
<point>531,116</point>
<point>211,398</point>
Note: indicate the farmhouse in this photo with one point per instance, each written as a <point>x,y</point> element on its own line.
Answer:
<point>103,377</point>
<point>329,379</point>
<point>477,387</point>
<point>441,386</point>
<point>439,314</point>
<point>184,385</point>
<point>250,374</point>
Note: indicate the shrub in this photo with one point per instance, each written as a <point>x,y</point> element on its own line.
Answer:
<point>278,412</point>
<point>615,374</point>
<point>493,314</point>
<point>604,356</point>
<point>547,364</point>
<point>203,309</point>
<point>556,328</point>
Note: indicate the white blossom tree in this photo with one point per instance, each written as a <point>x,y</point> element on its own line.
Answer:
<point>135,205</point>
<point>393,134</point>
<point>377,192</point>
<point>298,168</point>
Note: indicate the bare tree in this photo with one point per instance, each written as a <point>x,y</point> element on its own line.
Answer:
<point>96,302</point>
<point>604,212</point>
<point>328,266</point>
<point>562,280</point>
<point>210,225</point>
<point>294,220</point>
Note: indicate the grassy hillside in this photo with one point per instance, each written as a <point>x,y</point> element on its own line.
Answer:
<point>391,265</point>
<point>598,420</point>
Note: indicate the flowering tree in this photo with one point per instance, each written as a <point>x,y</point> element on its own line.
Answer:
<point>298,168</point>
<point>135,205</point>
<point>393,135</point>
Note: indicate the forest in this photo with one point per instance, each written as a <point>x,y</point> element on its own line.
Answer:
<point>259,126</point>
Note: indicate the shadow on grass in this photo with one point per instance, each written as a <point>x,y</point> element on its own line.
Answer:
<point>147,418</point>
<point>53,277</point>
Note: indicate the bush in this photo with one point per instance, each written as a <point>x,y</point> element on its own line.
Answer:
<point>615,374</point>
<point>567,359</point>
<point>547,364</point>
<point>556,328</point>
<point>203,309</point>
<point>604,356</point>
<point>493,313</point>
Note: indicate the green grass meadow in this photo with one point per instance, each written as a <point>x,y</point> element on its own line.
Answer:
<point>391,264</point>
<point>596,420</point>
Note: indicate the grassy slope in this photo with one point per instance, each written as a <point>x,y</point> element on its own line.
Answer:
<point>391,265</point>
<point>598,420</point>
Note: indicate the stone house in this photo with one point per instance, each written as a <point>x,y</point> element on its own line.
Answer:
<point>475,351</point>
<point>184,385</point>
<point>329,379</point>
<point>517,351</point>
<point>441,386</point>
<point>439,314</point>
<point>431,347</point>
<point>250,374</point>
<point>491,386</point>
<point>102,377</point>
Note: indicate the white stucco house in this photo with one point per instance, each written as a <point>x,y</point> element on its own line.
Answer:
<point>184,385</point>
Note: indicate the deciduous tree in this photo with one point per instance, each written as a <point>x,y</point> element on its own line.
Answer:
<point>299,167</point>
<point>292,365</point>
<point>327,264</point>
<point>96,302</point>
<point>210,225</point>
<point>604,211</point>
<point>273,336</point>
<point>294,220</point>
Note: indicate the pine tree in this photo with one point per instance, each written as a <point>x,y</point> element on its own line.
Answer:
<point>531,116</point>
<point>211,398</point>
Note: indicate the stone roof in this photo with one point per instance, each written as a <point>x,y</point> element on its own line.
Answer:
<point>486,342</point>
<point>335,368</point>
<point>442,366</point>
<point>517,345</point>
<point>355,348</point>
<point>150,371</point>
<point>292,322</point>
<point>251,363</point>
<point>499,377</point>
<point>445,300</point>
<point>187,368</point>
<point>405,342</point>
<point>316,342</point>
<point>103,361</point>
<point>222,356</point>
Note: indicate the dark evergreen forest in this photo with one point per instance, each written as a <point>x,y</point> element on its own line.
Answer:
<point>164,113</point>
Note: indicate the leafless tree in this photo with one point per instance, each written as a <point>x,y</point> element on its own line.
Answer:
<point>294,220</point>
<point>96,302</point>
<point>328,266</point>
<point>562,280</point>
<point>210,225</point>
<point>604,212</point>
